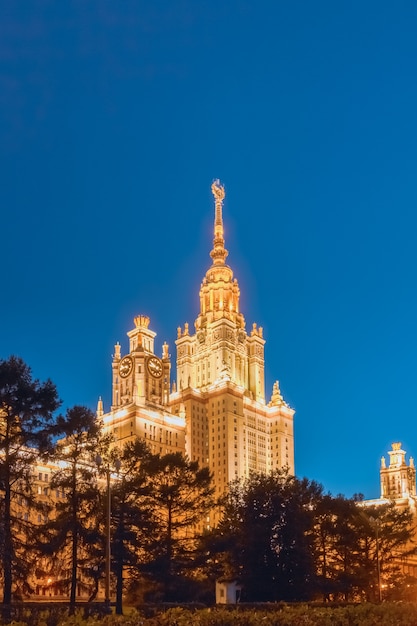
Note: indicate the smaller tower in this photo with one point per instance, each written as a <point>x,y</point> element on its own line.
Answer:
<point>140,376</point>
<point>398,480</point>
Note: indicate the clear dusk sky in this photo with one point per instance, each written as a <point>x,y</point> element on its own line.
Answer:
<point>115,117</point>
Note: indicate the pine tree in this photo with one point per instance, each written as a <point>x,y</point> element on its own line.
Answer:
<point>265,536</point>
<point>72,536</point>
<point>179,498</point>
<point>131,522</point>
<point>26,428</point>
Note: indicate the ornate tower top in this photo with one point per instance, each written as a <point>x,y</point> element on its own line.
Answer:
<point>141,321</point>
<point>219,292</point>
<point>396,455</point>
<point>141,338</point>
<point>219,253</point>
<point>398,480</point>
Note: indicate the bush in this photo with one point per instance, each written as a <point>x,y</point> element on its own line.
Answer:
<point>387,614</point>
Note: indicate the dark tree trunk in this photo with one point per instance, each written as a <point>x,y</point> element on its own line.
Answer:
<point>74,559</point>
<point>119,585</point>
<point>8,547</point>
<point>119,560</point>
<point>73,591</point>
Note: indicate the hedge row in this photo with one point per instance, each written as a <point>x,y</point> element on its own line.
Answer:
<point>276,615</point>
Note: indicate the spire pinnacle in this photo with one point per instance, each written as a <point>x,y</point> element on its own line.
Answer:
<point>219,253</point>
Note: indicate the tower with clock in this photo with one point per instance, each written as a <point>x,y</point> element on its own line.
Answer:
<point>140,377</point>
<point>140,393</point>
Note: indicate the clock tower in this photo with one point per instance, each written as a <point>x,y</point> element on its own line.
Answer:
<point>140,376</point>
<point>140,394</point>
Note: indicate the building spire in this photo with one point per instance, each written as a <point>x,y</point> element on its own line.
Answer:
<point>219,253</point>
<point>219,292</point>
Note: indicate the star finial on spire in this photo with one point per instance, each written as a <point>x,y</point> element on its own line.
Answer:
<point>219,253</point>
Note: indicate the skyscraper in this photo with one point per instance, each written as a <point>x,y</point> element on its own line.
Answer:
<point>216,410</point>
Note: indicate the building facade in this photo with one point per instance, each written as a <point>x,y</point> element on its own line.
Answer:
<point>397,480</point>
<point>215,411</point>
<point>398,486</point>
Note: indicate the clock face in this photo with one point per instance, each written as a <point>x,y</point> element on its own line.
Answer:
<point>154,366</point>
<point>126,366</point>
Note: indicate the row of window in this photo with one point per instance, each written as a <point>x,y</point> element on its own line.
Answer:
<point>45,491</point>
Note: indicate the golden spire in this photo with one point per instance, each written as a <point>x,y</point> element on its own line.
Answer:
<point>219,292</point>
<point>219,253</point>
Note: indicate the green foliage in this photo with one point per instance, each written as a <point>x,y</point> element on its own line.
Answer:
<point>265,538</point>
<point>386,535</point>
<point>131,520</point>
<point>71,538</point>
<point>280,537</point>
<point>387,614</point>
<point>337,548</point>
<point>26,429</point>
<point>283,539</point>
<point>179,497</point>
<point>354,541</point>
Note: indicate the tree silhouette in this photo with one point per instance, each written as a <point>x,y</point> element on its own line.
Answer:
<point>131,522</point>
<point>26,427</point>
<point>72,536</point>
<point>266,536</point>
<point>179,498</point>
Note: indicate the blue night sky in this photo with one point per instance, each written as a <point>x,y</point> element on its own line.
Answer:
<point>115,117</point>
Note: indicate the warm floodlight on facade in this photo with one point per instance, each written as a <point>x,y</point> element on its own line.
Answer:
<point>174,420</point>
<point>218,387</point>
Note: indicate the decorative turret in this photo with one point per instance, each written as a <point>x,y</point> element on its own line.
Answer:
<point>141,337</point>
<point>276,398</point>
<point>398,480</point>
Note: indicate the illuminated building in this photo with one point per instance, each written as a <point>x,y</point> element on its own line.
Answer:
<point>398,480</point>
<point>398,485</point>
<point>216,412</point>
